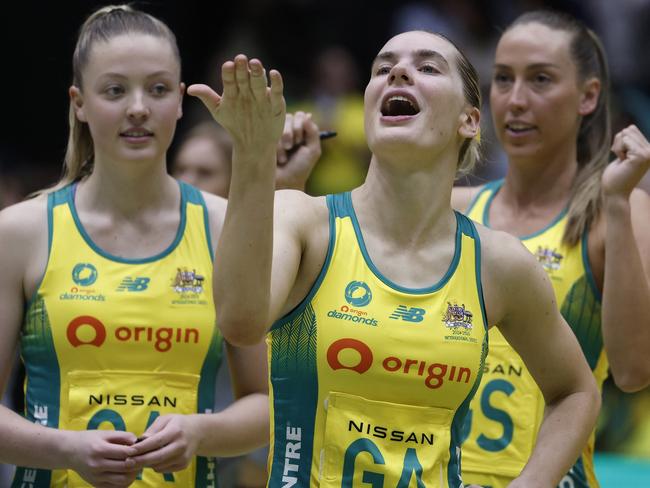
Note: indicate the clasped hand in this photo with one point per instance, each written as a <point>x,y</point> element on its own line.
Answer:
<point>114,459</point>
<point>632,161</point>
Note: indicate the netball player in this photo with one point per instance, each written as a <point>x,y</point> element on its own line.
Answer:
<point>377,302</point>
<point>578,215</point>
<point>106,285</point>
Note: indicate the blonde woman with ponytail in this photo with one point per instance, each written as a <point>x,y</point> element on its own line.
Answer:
<point>377,301</point>
<point>582,218</point>
<point>106,288</point>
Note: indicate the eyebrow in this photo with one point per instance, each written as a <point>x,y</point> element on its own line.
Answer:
<point>531,66</point>
<point>419,54</point>
<point>155,74</point>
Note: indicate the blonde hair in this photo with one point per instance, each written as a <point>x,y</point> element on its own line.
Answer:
<point>470,150</point>
<point>104,24</point>
<point>595,134</point>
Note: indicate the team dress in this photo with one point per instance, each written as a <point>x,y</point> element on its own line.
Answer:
<point>112,343</point>
<point>370,381</point>
<point>508,408</point>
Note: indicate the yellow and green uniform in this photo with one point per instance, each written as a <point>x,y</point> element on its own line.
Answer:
<point>371,381</point>
<point>112,343</point>
<point>507,410</point>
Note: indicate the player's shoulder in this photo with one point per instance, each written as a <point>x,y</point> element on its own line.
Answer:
<point>503,254</point>
<point>24,220</point>
<point>216,205</point>
<point>462,197</point>
<point>23,233</point>
<point>299,207</point>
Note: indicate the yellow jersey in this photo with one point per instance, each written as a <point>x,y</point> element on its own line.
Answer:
<point>370,381</point>
<point>508,408</point>
<point>112,343</point>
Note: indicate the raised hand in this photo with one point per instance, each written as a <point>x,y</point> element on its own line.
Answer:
<point>99,457</point>
<point>298,151</point>
<point>250,110</point>
<point>169,444</point>
<point>632,151</point>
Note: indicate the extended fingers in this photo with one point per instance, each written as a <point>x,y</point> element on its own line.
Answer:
<point>277,93</point>
<point>228,79</point>
<point>258,79</point>
<point>242,75</point>
<point>206,94</point>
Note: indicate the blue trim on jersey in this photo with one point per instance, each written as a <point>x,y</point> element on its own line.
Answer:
<point>472,204</point>
<point>331,205</point>
<point>294,382</point>
<point>194,195</point>
<point>559,217</point>
<point>341,205</point>
<point>471,231</point>
<point>206,467</point>
<point>454,467</point>
<point>347,203</point>
<point>53,199</point>
<point>41,478</point>
<point>587,265</point>
<point>577,476</point>
<point>34,388</point>
<point>71,190</point>
<point>496,186</point>
<point>42,386</point>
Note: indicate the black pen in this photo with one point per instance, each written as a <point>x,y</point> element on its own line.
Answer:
<point>326,134</point>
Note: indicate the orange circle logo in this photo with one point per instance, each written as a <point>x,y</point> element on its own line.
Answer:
<point>364,351</point>
<point>73,327</point>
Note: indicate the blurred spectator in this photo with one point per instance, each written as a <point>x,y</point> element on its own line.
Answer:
<point>203,158</point>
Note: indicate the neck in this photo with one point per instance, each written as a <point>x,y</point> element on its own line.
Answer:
<point>128,189</point>
<point>406,205</point>
<point>541,181</point>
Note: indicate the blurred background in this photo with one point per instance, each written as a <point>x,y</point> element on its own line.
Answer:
<point>324,51</point>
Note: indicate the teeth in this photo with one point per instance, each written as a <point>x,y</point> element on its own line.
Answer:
<point>399,105</point>
<point>518,126</point>
<point>398,98</point>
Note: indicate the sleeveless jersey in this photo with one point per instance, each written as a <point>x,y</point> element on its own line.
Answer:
<point>371,381</point>
<point>508,407</point>
<point>112,343</point>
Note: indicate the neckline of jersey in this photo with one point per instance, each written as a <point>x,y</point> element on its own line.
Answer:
<point>486,214</point>
<point>72,189</point>
<point>387,281</point>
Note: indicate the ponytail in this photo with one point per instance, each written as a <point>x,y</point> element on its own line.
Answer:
<point>104,24</point>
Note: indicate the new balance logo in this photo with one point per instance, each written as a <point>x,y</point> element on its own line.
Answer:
<point>133,284</point>
<point>412,314</point>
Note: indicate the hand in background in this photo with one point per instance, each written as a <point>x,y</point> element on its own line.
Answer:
<point>298,151</point>
<point>632,151</point>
